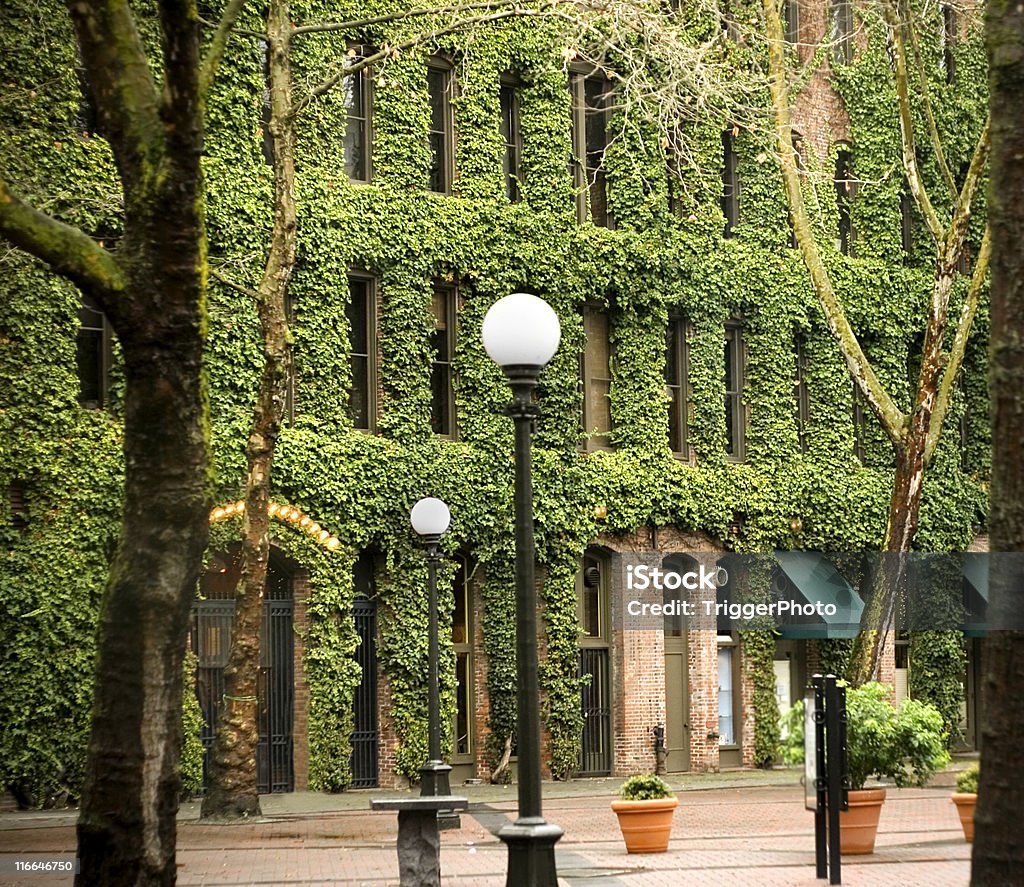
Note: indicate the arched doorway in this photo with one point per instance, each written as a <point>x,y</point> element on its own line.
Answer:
<point>212,624</point>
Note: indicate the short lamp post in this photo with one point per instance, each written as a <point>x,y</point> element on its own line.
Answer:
<point>521,333</point>
<point>430,519</point>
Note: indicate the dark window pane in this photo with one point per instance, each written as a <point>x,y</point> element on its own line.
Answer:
<point>676,384</point>
<point>510,132</point>
<point>359,318</point>
<point>356,127</point>
<point>91,355</point>
<point>438,85</point>
<point>730,184</point>
<point>442,396</point>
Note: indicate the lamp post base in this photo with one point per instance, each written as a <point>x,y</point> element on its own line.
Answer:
<point>434,782</point>
<point>531,852</point>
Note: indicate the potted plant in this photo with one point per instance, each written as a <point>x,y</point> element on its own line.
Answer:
<point>906,745</point>
<point>645,813</point>
<point>965,797</point>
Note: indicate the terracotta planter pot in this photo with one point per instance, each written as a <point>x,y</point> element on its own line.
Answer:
<point>646,825</point>
<point>859,825</point>
<point>965,802</point>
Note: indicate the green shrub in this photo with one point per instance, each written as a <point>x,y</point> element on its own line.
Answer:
<point>906,745</point>
<point>645,787</point>
<point>967,780</point>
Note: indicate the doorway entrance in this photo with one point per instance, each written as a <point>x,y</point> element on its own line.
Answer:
<point>212,626</point>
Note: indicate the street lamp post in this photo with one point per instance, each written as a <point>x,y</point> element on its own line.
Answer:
<point>521,333</point>
<point>430,519</point>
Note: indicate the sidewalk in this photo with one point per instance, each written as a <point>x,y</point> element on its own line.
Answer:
<point>735,829</point>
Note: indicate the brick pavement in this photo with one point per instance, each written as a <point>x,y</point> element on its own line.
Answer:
<point>758,835</point>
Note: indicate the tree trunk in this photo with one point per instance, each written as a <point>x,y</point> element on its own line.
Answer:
<point>232,791</point>
<point>998,852</point>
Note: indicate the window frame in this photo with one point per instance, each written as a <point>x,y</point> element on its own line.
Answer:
<point>803,398</point>
<point>372,364</point>
<point>677,354</point>
<point>512,160</point>
<point>449,295</point>
<point>846,187</point>
<point>732,187</point>
<point>736,362</point>
<point>363,87</point>
<point>791,21</point>
<point>446,165</point>
<point>841,31</point>
<point>464,649</point>
<point>103,333</point>
<point>594,438</point>
<point>589,180</point>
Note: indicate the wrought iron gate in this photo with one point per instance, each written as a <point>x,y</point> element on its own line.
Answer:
<point>212,623</point>
<point>364,736</point>
<point>596,746</point>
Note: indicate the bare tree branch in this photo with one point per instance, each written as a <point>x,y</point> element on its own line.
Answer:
<point>229,282</point>
<point>404,15</point>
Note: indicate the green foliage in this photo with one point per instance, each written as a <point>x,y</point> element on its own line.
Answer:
<point>967,780</point>
<point>906,745</point>
<point>360,486</point>
<point>191,727</point>
<point>645,787</point>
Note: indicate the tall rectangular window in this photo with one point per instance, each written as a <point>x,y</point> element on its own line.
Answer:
<point>442,128</point>
<point>803,400</point>
<point>948,39</point>
<point>93,347</point>
<point>677,356</point>
<point>791,20</point>
<point>290,383</point>
<point>735,419</point>
<point>596,378</point>
<point>846,190</point>
<point>267,142</point>
<point>361,315</point>
<point>358,96</point>
<point>589,140</point>
<point>512,162</point>
<point>462,641</point>
<point>841,14</point>
<point>442,391</point>
<point>730,200</point>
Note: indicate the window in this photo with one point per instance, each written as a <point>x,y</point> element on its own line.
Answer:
<point>93,348</point>
<point>17,504</point>
<point>841,12</point>
<point>948,39</point>
<point>728,670</point>
<point>846,190</point>
<point>735,420</point>
<point>595,377</point>
<point>289,393</point>
<point>442,128</point>
<point>442,392</point>
<point>360,311</point>
<point>358,96</point>
<point>593,609</point>
<point>87,118</point>
<point>513,142</point>
<point>589,141</point>
<point>730,182</point>
<point>677,357</point>
<point>462,641</point>
<point>791,20</point>
<point>803,401</point>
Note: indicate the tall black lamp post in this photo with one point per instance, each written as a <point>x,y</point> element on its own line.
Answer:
<point>521,333</point>
<point>430,519</point>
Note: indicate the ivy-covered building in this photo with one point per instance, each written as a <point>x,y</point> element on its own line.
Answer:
<point>697,405</point>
